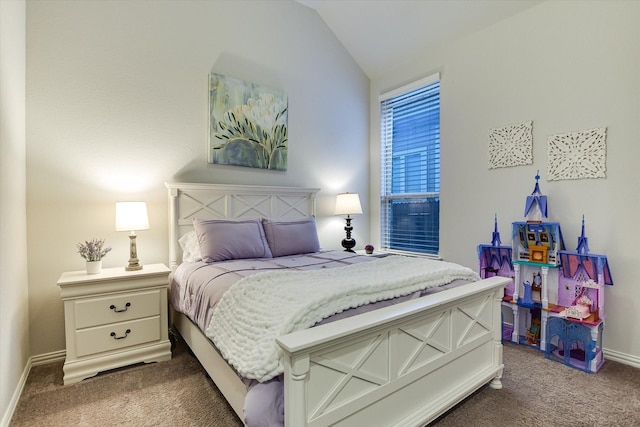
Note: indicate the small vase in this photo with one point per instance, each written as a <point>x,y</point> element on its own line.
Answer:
<point>94,267</point>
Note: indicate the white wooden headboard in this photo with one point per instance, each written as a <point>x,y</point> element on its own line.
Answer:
<point>218,201</point>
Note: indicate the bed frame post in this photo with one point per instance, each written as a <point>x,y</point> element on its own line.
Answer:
<point>173,228</point>
<point>296,370</point>
<point>496,382</point>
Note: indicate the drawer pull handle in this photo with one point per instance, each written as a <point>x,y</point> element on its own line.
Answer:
<point>127,332</point>
<point>114,308</point>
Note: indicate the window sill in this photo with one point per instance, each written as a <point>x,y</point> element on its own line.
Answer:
<point>412,254</point>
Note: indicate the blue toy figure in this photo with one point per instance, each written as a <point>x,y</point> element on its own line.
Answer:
<point>527,293</point>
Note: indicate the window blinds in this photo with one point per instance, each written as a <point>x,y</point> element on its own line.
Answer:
<point>410,144</point>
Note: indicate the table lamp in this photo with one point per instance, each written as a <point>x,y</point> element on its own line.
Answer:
<point>348,204</point>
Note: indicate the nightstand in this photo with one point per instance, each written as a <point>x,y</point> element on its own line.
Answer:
<point>114,318</point>
<point>375,254</point>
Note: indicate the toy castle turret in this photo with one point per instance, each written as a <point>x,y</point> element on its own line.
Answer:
<point>583,244</point>
<point>495,236</point>
<point>535,240</point>
<point>536,205</point>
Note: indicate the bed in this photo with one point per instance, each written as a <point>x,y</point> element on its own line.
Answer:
<point>400,365</point>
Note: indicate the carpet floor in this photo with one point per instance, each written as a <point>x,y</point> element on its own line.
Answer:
<point>536,392</point>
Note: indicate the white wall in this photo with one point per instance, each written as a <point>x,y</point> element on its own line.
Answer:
<point>117,105</point>
<point>14,304</point>
<point>568,66</point>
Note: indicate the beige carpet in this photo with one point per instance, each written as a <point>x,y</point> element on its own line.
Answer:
<point>536,392</point>
<point>173,393</point>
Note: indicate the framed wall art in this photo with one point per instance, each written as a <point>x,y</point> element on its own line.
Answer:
<point>247,124</point>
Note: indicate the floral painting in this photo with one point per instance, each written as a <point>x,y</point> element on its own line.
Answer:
<point>247,124</point>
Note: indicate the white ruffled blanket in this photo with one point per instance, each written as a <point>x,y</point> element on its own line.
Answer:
<point>260,308</point>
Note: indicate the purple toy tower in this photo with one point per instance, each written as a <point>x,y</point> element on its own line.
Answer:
<point>495,259</point>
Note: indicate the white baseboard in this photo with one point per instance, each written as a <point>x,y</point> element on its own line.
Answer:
<point>624,358</point>
<point>44,359</point>
<point>41,359</point>
<point>13,404</point>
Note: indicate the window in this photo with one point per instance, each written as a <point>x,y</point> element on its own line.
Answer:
<point>410,139</point>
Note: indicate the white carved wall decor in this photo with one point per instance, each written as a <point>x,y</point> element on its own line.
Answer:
<point>577,155</point>
<point>511,145</point>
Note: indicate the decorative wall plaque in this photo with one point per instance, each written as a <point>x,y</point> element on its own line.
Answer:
<point>577,155</point>
<point>511,145</point>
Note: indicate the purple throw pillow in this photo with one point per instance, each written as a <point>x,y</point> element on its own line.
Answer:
<point>291,237</point>
<point>222,240</point>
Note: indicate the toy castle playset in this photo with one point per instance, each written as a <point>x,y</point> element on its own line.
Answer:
<point>556,300</point>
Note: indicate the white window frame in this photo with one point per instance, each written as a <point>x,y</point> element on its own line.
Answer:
<point>386,191</point>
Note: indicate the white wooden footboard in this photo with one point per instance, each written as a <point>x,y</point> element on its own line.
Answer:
<point>402,365</point>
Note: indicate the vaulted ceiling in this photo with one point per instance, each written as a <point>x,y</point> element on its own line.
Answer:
<point>380,34</point>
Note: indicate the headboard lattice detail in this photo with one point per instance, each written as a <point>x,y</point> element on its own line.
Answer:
<point>235,202</point>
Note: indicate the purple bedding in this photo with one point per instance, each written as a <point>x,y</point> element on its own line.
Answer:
<point>198,286</point>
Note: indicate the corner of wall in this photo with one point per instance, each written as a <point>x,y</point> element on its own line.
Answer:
<point>14,318</point>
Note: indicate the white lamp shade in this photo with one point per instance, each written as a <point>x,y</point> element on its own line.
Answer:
<point>348,204</point>
<point>131,216</point>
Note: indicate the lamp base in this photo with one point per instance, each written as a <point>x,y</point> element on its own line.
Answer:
<point>134,263</point>
<point>348,245</point>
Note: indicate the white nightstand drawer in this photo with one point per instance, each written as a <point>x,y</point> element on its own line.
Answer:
<point>116,308</point>
<point>117,336</point>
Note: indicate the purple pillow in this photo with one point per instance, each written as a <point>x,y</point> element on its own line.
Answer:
<point>291,237</point>
<point>221,240</point>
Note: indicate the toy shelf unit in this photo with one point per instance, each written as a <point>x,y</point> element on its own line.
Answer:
<point>555,301</point>
<point>530,301</point>
<point>535,248</point>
